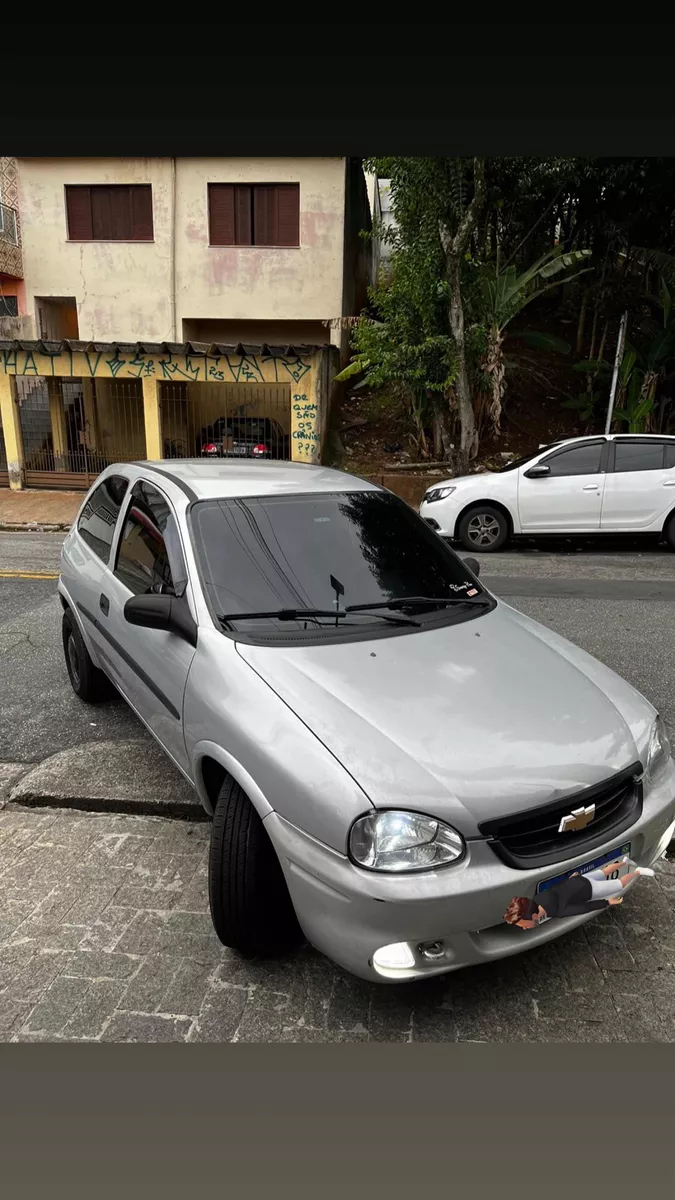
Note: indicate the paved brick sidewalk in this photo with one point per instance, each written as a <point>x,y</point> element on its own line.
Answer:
<point>40,508</point>
<point>105,936</point>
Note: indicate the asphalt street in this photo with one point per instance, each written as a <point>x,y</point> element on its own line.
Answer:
<point>104,926</point>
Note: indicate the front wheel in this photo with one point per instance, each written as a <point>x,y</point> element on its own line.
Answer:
<point>483,529</point>
<point>251,908</point>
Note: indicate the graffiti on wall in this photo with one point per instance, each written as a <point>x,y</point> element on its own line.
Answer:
<point>226,368</point>
<point>305,435</point>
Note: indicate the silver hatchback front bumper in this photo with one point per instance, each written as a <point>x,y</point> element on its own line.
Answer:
<point>349,914</point>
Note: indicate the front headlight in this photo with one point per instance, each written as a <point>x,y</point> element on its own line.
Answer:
<point>659,749</point>
<point>403,841</point>
<point>438,493</point>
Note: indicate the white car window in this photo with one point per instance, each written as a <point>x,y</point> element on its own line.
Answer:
<point>638,456</point>
<point>578,460</point>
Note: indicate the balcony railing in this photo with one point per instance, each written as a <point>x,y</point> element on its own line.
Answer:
<point>8,229</point>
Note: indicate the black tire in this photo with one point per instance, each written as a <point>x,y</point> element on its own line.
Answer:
<point>483,529</point>
<point>669,532</point>
<point>87,681</point>
<point>251,908</point>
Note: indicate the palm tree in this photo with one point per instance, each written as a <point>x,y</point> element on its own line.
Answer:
<point>504,294</point>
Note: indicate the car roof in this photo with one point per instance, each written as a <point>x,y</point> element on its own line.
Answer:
<point>612,437</point>
<point>209,480</point>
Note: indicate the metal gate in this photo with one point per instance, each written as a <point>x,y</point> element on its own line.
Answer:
<point>70,435</point>
<point>221,420</point>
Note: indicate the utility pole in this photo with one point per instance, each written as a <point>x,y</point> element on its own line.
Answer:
<point>617,364</point>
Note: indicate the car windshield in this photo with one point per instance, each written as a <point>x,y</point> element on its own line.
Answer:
<point>526,458</point>
<point>325,552</point>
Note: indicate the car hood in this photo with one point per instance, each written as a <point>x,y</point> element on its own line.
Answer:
<point>466,722</point>
<point>460,479</point>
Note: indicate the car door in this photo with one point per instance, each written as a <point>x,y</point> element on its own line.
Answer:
<point>151,665</point>
<point>640,486</point>
<point>562,492</point>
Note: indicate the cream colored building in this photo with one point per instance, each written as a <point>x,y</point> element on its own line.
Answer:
<point>229,265</point>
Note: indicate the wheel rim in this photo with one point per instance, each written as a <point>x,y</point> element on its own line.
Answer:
<point>73,661</point>
<point>483,530</point>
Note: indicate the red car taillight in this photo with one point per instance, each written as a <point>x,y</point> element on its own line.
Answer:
<point>210,448</point>
<point>259,450</point>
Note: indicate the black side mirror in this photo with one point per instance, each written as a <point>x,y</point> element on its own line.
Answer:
<point>171,613</point>
<point>473,565</point>
<point>540,471</point>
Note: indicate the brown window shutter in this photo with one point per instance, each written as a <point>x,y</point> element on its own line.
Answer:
<point>276,214</point>
<point>287,196</point>
<point>264,216</point>
<point>221,214</point>
<point>78,210</point>
<point>140,202</point>
<point>101,214</point>
<point>120,213</point>
<point>242,215</point>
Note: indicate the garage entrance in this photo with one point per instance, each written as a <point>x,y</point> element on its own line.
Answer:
<point>221,420</point>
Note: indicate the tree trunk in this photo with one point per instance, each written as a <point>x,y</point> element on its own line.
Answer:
<point>494,367</point>
<point>454,249</point>
<point>468,441</point>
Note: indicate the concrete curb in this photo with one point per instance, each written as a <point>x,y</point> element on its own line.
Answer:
<point>117,806</point>
<point>31,527</point>
<point>107,777</point>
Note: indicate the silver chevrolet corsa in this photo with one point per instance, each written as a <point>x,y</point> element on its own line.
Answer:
<point>389,753</point>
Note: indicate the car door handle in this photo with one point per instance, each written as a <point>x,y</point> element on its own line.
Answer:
<point>104,604</point>
<point>669,483</point>
<point>591,487</point>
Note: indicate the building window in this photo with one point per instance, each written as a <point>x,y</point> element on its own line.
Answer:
<point>9,306</point>
<point>259,214</point>
<point>109,212</point>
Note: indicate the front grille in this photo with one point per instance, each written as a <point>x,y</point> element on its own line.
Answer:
<point>531,839</point>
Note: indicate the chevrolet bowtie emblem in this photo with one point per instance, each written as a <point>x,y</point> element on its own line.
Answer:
<point>579,818</point>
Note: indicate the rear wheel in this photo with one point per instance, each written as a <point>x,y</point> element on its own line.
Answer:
<point>669,532</point>
<point>250,905</point>
<point>87,681</point>
<point>483,529</point>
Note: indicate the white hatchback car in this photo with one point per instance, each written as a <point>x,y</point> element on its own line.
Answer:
<point>623,483</point>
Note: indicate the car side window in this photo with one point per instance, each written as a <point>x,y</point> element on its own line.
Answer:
<point>670,456</point>
<point>638,456</point>
<point>150,556</point>
<point>98,518</point>
<point>578,460</point>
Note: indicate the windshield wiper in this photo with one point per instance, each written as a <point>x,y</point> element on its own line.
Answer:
<point>300,614</point>
<point>416,602</point>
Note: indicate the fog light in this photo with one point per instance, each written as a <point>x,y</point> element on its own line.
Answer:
<point>432,950</point>
<point>397,957</point>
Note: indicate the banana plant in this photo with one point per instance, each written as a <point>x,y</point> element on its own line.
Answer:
<point>505,293</point>
<point>641,371</point>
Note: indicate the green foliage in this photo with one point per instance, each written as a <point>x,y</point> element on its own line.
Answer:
<point>505,293</point>
<point>541,221</point>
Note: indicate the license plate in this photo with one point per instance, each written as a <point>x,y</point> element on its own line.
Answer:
<point>612,856</point>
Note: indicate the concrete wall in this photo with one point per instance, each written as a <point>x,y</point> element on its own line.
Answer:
<point>124,290</point>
